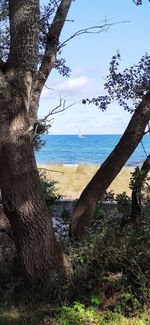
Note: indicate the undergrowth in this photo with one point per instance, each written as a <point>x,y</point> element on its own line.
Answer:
<point>110,282</point>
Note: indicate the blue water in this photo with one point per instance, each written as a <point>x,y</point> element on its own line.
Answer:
<point>71,149</point>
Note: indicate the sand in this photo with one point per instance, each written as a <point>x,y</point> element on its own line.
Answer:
<point>72,179</point>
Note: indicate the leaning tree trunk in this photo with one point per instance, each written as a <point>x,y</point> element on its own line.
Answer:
<point>136,193</point>
<point>110,169</point>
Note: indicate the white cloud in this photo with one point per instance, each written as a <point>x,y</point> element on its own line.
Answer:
<point>88,70</point>
<point>71,86</point>
<point>74,84</point>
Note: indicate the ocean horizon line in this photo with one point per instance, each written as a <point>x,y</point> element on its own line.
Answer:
<point>77,134</point>
<point>89,148</point>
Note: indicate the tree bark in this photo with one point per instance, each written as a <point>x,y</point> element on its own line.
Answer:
<point>110,169</point>
<point>26,210</point>
<point>22,197</point>
<point>136,195</point>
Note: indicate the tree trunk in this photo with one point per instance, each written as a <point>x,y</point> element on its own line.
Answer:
<point>20,88</point>
<point>22,197</point>
<point>136,194</point>
<point>110,169</point>
<point>26,210</point>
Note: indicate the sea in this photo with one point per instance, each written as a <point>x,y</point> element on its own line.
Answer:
<point>87,149</point>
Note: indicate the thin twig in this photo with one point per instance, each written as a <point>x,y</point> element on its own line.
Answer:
<point>56,109</point>
<point>91,30</point>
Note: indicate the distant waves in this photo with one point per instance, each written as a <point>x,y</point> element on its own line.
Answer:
<point>90,149</point>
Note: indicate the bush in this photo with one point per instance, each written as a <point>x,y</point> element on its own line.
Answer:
<point>123,205</point>
<point>111,270</point>
<point>49,189</point>
<point>125,251</point>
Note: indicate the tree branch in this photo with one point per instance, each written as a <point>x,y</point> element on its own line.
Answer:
<point>53,35</point>
<point>56,109</point>
<point>50,170</point>
<point>61,107</point>
<point>49,57</point>
<point>90,30</point>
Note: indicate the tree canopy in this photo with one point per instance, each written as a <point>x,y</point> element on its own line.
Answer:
<point>127,87</point>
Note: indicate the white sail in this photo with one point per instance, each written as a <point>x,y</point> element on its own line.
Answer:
<point>80,134</point>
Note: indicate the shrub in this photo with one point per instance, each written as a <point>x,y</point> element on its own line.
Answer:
<point>123,205</point>
<point>49,189</point>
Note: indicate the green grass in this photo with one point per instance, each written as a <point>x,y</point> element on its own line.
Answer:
<point>70,315</point>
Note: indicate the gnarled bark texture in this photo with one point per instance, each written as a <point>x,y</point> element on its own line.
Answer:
<point>23,201</point>
<point>110,168</point>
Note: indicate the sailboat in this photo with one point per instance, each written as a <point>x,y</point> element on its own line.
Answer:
<point>81,136</point>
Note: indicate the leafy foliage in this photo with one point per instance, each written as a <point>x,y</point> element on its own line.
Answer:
<point>137,180</point>
<point>111,279</point>
<point>48,189</point>
<point>39,129</point>
<point>127,87</point>
<point>138,2</point>
<point>123,207</point>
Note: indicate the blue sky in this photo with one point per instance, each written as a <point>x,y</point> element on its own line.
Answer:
<point>88,56</point>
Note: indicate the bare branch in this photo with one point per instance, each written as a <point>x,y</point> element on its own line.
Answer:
<point>50,170</point>
<point>58,109</point>
<point>41,126</point>
<point>90,30</point>
<point>48,87</point>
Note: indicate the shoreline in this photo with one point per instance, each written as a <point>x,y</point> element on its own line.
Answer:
<point>71,179</point>
<point>134,165</point>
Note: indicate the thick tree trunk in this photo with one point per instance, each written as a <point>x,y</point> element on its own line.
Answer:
<point>22,197</point>
<point>25,208</point>
<point>20,88</point>
<point>109,169</point>
<point>136,194</point>
<point>23,200</point>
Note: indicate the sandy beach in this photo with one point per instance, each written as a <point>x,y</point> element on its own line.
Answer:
<point>72,179</point>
